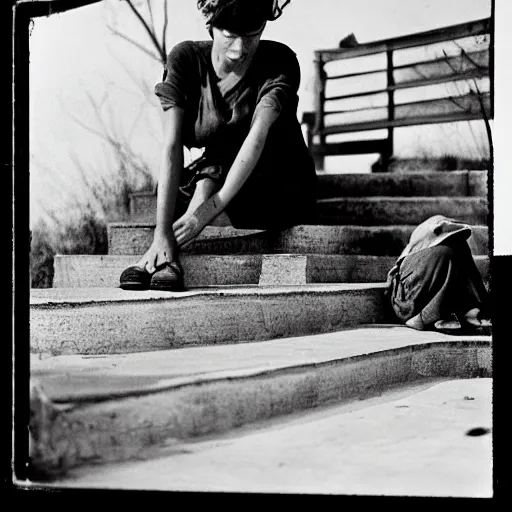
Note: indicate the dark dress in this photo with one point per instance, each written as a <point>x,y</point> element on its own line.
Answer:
<point>436,275</point>
<point>281,190</point>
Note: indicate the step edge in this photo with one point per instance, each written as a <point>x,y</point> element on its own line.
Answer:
<point>171,384</point>
<point>204,293</point>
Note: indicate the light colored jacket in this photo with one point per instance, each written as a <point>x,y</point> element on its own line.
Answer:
<point>429,233</point>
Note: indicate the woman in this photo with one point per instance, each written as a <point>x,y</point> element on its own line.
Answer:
<point>435,283</point>
<point>236,97</point>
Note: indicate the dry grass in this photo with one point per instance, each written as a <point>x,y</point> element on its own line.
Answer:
<point>80,227</point>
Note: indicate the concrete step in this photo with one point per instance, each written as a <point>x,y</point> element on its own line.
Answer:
<point>90,410</point>
<point>452,184</point>
<point>111,320</point>
<point>394,210</point>
<point>332,450</point>
<point>128,238</point>
<point>85,271</point>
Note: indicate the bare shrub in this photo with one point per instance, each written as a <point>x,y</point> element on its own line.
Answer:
<point>86,234</point>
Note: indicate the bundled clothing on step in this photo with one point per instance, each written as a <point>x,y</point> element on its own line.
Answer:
<point>435,276</point>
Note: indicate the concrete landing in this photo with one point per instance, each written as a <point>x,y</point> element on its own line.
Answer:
<point>407,442</point>
<point>112,408</point>
<point>111,320</point>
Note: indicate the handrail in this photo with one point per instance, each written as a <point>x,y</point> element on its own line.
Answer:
<point>410,65</point>
<point>472,28</point>
<point>410,84</point>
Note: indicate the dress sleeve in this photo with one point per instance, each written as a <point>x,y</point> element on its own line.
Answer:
<point>172,90</point>
<point>280,88</point>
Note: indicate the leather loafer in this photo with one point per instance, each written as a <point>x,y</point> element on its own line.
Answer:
<point>135,278</point>
<point>168,277</point>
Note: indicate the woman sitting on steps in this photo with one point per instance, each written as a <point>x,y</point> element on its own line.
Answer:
<point>236,97</point>
<point>435,283</point>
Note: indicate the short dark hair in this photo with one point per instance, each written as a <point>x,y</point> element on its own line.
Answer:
<point>240,16</point>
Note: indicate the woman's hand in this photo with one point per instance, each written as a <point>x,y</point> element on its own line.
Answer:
<point>164,248</point>
<point>187,227</point>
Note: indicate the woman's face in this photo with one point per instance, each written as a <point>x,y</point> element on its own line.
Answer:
<point>235,49</point>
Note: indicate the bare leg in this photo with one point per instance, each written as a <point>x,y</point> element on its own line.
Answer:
<point>205,188</point>
<point>415,322</point>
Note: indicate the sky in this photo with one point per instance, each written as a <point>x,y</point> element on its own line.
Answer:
<point>74,56</point>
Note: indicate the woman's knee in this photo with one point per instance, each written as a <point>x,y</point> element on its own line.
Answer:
<point>433,257</point>
<point>442,251</point>
<point>438,264</point>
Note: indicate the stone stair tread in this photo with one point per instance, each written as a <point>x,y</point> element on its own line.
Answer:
<point>390,189</point>
<point>76,378</point>
<point>417,183</point>
<point>208,232</point>
<point>209,269</point>
<point>391,210</point>
<point>111,320</point>
<point>401,199</point>
<point>199,269</point>
<point>56,297</point>
<point>231,232</point>
<point>127,238</point>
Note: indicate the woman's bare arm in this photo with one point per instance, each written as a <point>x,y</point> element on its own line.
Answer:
<point>248,155</point>
<point>190,225</point>
<point>164,246</point>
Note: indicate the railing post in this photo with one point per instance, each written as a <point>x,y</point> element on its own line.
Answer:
<point>320,80</point>
<point>391,108</point>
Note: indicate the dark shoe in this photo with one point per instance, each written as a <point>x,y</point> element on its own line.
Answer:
<point>135,278</point>
<point>478,321</point>
<point>168,277</point>
<point>478,324</point>
<point>447,325</point>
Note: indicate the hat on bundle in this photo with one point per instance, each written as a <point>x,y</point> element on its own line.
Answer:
<point>240,16</point>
